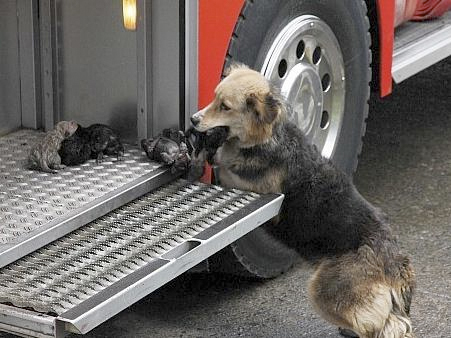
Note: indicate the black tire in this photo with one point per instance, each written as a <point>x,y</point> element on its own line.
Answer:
<point>259,23</point>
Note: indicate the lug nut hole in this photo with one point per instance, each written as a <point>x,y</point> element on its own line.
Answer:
<point>316,58</point>
<point>325,82</point>
<point>283,66</point>
<point>324,120</point>
<point>300,49</point>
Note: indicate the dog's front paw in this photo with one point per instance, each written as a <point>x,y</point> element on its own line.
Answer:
<point>195,172</point>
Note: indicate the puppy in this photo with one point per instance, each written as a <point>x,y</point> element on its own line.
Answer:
<point>170,148</point>
<point>361,281</point>
<point>76,149</point>
<point>209,141</point>
<point>44,155</point>
<point>104,141</point>
<point>203,147</point>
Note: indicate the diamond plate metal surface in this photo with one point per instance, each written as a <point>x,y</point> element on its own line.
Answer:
<point>30,199</point>
<point>63,274</point>
<point>20,215</point>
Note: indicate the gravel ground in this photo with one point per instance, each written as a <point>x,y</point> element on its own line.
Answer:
<point>405,169</point>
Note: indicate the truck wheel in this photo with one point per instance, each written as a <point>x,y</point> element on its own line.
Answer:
<point>318,54</point>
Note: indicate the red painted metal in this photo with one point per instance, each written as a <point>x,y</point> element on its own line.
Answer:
<point>386,23</point>
<point>217,19</point>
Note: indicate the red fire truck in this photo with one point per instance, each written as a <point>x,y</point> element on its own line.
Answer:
<point>80,246</point>
<point>328,49</point>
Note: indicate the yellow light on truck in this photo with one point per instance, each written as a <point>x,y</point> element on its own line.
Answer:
<point>129,13</point>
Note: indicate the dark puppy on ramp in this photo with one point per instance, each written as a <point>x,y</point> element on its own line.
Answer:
<point>104,141</point>
<point>169,148</point>
<point>76,149</point>
<point>94,141</point>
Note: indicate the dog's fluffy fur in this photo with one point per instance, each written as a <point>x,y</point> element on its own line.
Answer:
<point>44,155</point>
<point>361,282</point>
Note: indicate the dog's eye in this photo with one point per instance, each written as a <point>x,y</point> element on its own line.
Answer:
<point>224,107</point>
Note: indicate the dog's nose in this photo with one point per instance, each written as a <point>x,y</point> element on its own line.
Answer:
<point>195,120</point>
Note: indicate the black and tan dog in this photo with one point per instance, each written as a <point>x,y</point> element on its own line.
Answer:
<point>361,282</point>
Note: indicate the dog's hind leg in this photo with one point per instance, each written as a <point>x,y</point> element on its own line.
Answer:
<point>353,292</point>
<point>197,165</point>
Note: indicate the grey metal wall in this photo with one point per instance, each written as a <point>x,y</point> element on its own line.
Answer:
<point>165,64</point>
<point>158,52</point>
<point>98,65</point>
<point>10,115</point>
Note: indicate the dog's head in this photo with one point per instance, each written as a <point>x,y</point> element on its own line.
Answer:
<point>66,128</point>
<point>245,103</point>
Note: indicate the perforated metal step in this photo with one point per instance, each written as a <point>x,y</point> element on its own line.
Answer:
<point>419,45</point>
<point>37,208</point>
<point>91,274</point>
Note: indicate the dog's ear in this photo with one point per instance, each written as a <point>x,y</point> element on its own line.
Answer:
<point>233,66</point>
<point>265,109</point>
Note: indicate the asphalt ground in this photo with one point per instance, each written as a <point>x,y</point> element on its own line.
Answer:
<point>405,169</point>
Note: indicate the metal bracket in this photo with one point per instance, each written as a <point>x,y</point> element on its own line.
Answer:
<point>30,85</point>
<point>49,63</point>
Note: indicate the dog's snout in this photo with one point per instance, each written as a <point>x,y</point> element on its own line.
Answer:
<point>195,120</point>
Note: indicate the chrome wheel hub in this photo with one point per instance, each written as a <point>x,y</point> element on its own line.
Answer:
<point>302,88</point>
<point>306,63</point>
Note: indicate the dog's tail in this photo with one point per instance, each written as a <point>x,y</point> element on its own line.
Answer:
<point>398,323</point>
<point>365,293</point>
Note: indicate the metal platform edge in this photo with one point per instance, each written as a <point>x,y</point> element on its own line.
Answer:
<point>95,209</point>
<point>120,295</point>
<point>427,50</point>
<point>27,323</point>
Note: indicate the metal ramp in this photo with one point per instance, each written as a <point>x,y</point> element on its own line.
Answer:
<point>419,45</point>
<point>36,208</point>
<point>80,246</point>
<point>93,273</point>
